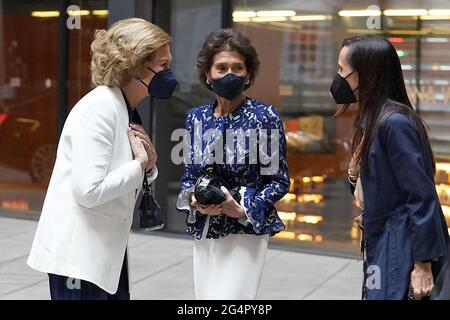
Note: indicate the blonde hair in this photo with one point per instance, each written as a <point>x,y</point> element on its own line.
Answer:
<point>120,53</point>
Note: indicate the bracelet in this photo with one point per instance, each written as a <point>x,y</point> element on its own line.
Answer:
<point>352,182</point>
<point>351,175</point>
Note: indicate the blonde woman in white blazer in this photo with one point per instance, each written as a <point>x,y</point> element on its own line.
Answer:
<point>102,159</point>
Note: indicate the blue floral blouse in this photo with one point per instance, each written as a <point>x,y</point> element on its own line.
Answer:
<point>258,191</point>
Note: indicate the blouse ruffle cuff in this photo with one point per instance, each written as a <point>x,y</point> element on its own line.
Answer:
<point>184,204</point>
<point>254,212</point>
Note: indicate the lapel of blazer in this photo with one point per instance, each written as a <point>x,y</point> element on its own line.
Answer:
<point>123,112</point>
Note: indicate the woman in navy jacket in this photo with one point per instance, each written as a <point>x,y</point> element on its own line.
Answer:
<point>405,234</point>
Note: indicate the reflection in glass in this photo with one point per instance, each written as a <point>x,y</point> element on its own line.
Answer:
<point>298,43</point>
<point>28,93</point>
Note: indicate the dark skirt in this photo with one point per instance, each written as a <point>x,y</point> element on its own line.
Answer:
<point>65,288</point>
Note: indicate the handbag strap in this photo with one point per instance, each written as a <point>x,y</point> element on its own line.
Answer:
<point>145,186</point>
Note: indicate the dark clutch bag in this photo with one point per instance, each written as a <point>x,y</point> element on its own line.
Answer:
<point>150,217</point>
<point>207,188</point>
<point>441,290</point>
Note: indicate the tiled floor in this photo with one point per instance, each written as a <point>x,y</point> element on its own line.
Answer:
<point>161,268</point>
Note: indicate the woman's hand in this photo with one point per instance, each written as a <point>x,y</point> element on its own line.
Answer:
<point>213,210</point>
<point>230,207</point>
<point>353,167</point>
<point>138,149</point>
<point>421,280</point>
<point>139,132</point>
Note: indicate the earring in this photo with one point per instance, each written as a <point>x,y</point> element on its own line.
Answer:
<point>208,81</point>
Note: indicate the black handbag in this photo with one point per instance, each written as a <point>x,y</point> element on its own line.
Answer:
<point>207,188</point>
<point>150,217</point>
<point>441,289</point>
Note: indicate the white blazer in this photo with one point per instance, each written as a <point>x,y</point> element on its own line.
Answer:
<point>87,214</point>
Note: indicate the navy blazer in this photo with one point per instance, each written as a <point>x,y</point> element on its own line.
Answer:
<point>403,219</point>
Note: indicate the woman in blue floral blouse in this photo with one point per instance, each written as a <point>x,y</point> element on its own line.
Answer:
<point>243,140</point>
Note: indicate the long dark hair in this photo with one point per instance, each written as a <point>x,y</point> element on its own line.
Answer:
<point>382,91</point>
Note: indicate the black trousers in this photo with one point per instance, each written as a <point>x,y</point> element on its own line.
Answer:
<point>65,288</point>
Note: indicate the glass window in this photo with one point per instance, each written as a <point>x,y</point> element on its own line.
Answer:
<point>190,22</point>
<point>94,15</point>
<point>28,76</point>
<point>298,43</point>
<point>29,33</point>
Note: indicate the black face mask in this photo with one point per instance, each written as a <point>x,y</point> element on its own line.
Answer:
<point>207,188</point>
<point>229,86</point>
<point>341,91</point>
<point>162,84</point>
